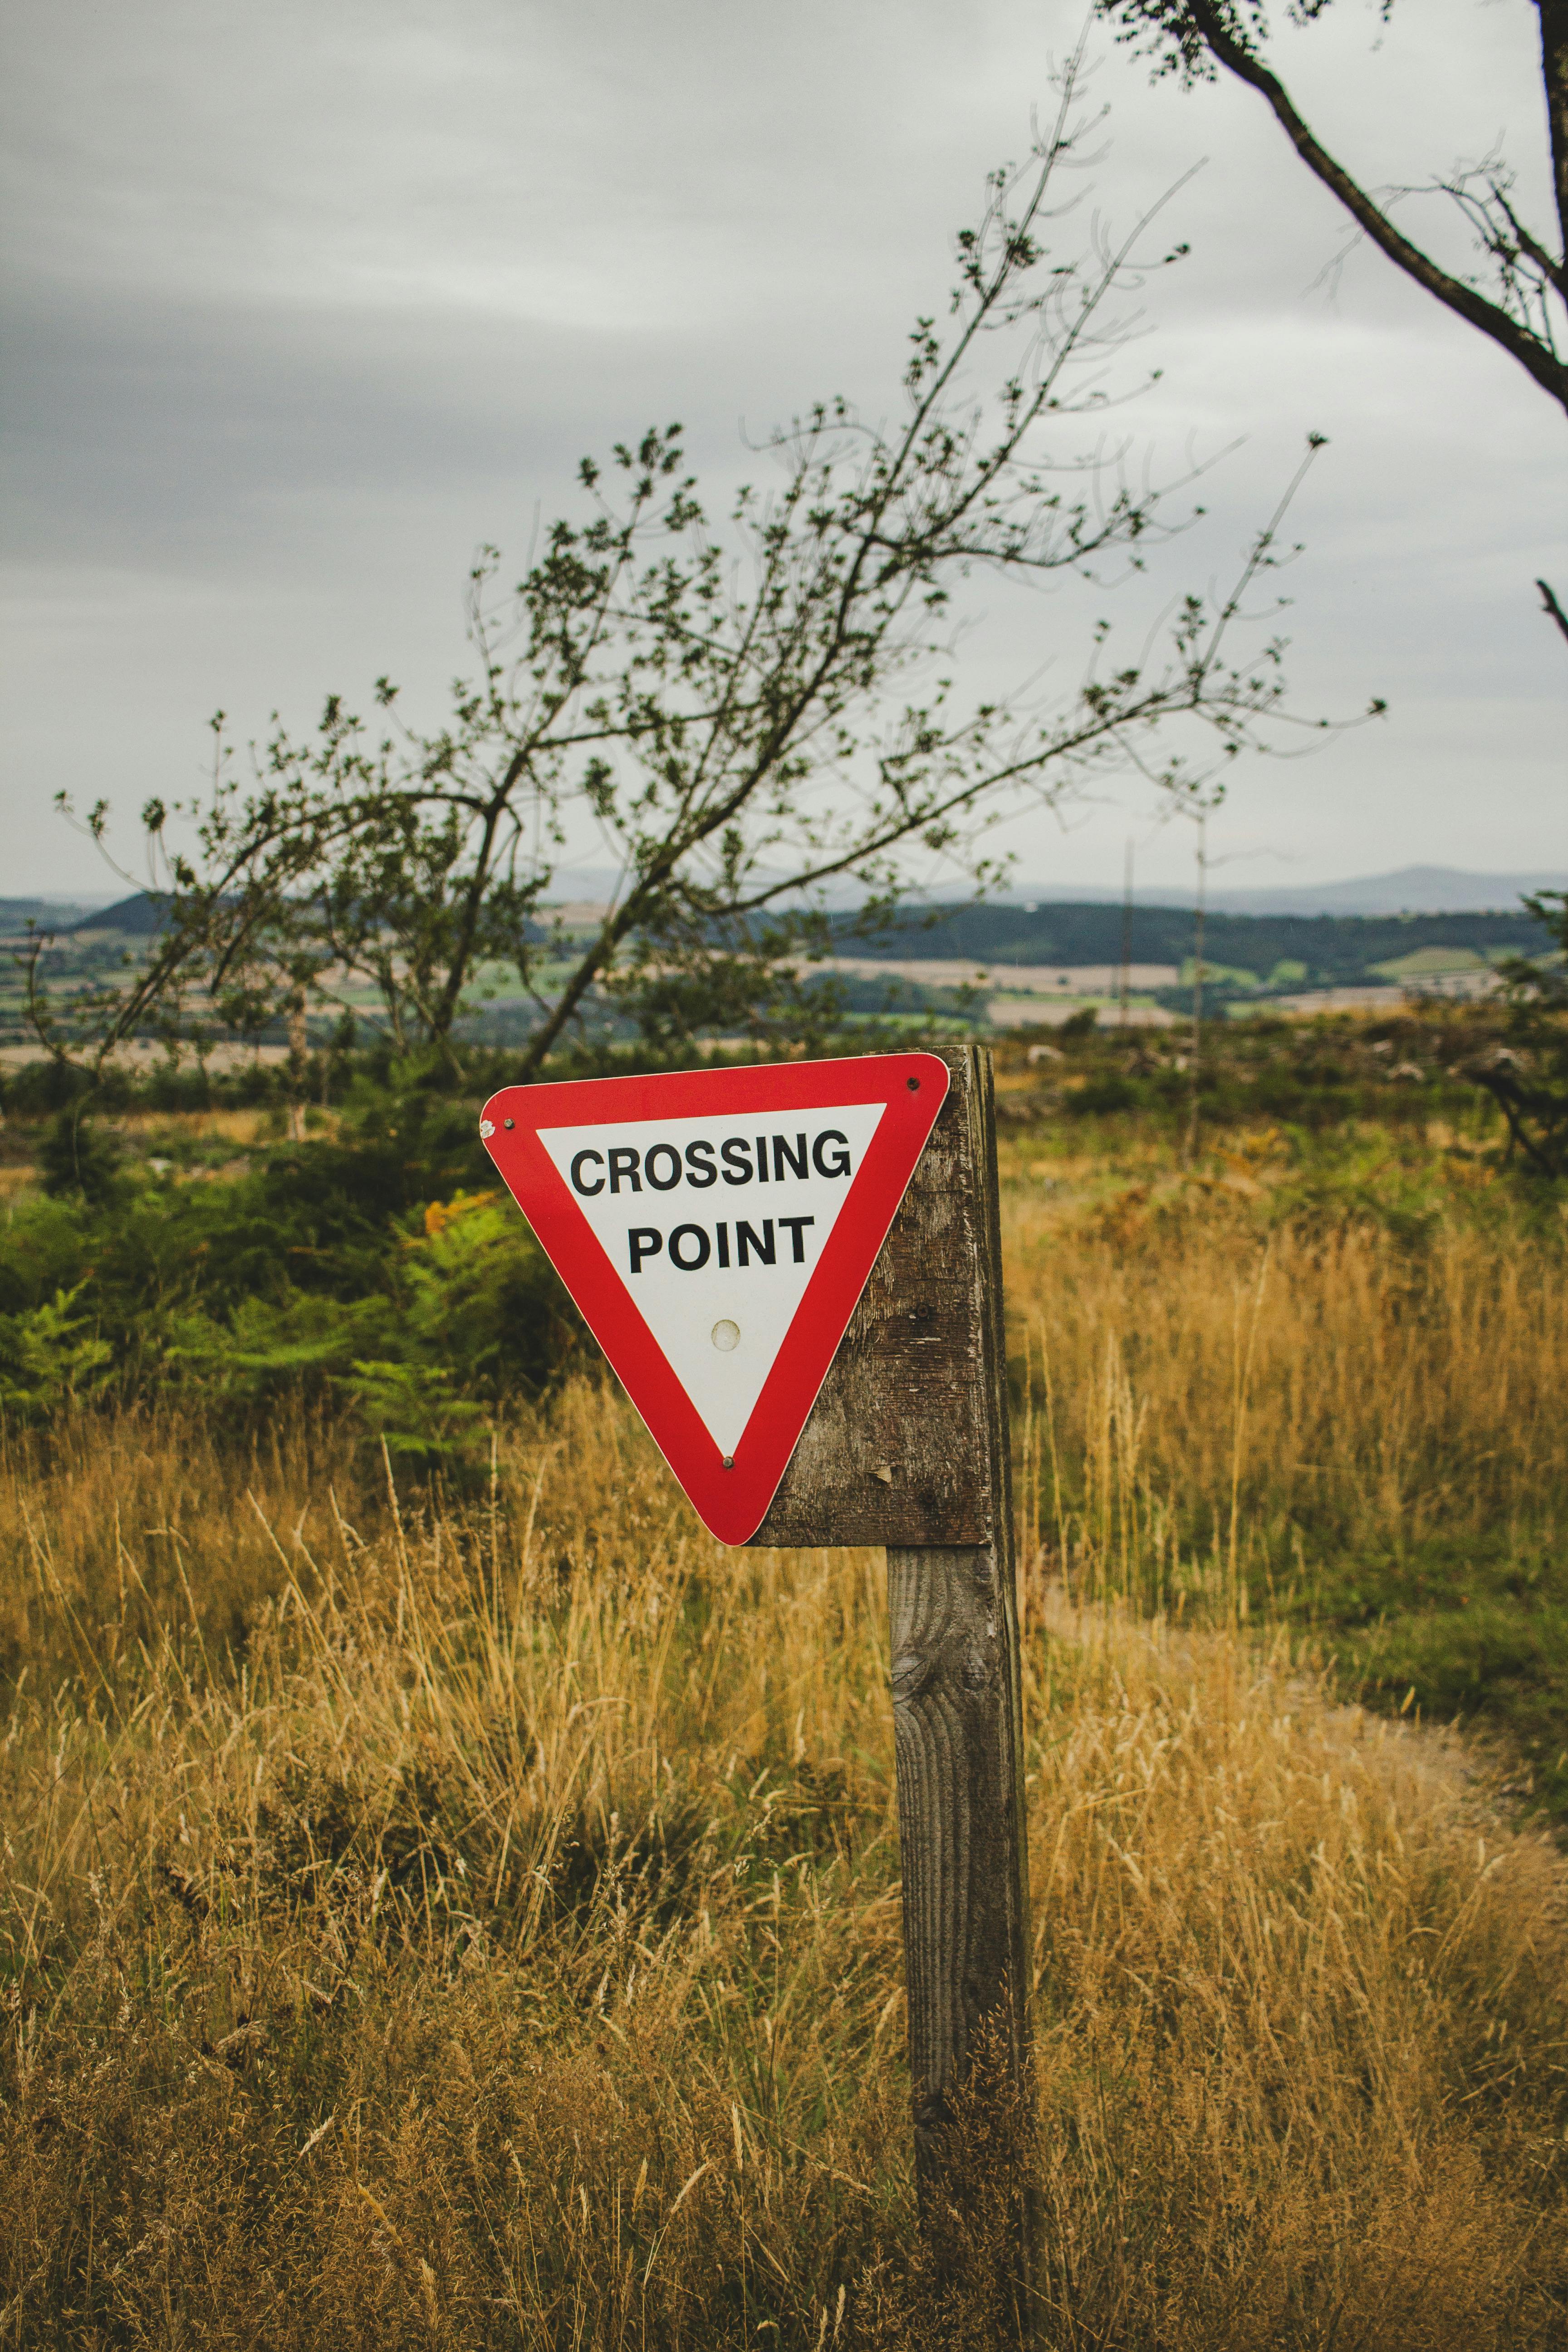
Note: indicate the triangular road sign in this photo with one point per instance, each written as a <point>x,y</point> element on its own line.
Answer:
<point>716,1229</point>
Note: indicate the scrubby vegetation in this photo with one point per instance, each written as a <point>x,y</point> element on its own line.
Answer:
<point>373,1261</point>
<point>490,1934</point>
<point>1314,1381</point>
<point>449,1900</point>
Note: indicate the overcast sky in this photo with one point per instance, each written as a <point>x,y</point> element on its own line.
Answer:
<point>308,300</point>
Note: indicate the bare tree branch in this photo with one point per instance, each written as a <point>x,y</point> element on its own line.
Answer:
<point>1551,605</point>
<point>1533,352</point>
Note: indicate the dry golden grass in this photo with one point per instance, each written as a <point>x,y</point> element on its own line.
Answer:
<point>479,1927</point>
<point>1203,1368</point>
<point>132,1524</point>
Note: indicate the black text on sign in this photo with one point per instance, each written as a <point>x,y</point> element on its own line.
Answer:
<point>716,1224</point>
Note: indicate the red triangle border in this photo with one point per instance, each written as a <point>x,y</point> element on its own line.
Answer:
<point>732,1503</point>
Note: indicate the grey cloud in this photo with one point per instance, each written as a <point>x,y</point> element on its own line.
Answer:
<point>310,299</point>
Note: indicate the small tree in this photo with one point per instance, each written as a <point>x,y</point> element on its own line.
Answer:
<point>746,722</point>
<point>1516,292</point>
<point>1527,1074</point>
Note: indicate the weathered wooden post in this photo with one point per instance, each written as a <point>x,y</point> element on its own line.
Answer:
<point>723,1346</point>
<point>908,1446</point>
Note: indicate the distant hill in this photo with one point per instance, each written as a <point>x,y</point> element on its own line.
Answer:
<point>1413,889</point>
<point>137,918</point>
<point>43,914</point>
<point>1279,944</point>
<point>1328,950</point>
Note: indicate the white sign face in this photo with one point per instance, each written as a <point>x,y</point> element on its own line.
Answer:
<point>715,1226</point>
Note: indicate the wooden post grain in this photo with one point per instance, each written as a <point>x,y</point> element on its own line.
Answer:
<point>908,1446</point>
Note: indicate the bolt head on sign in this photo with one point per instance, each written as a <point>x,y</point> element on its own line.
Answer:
<point>716,1229</point>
